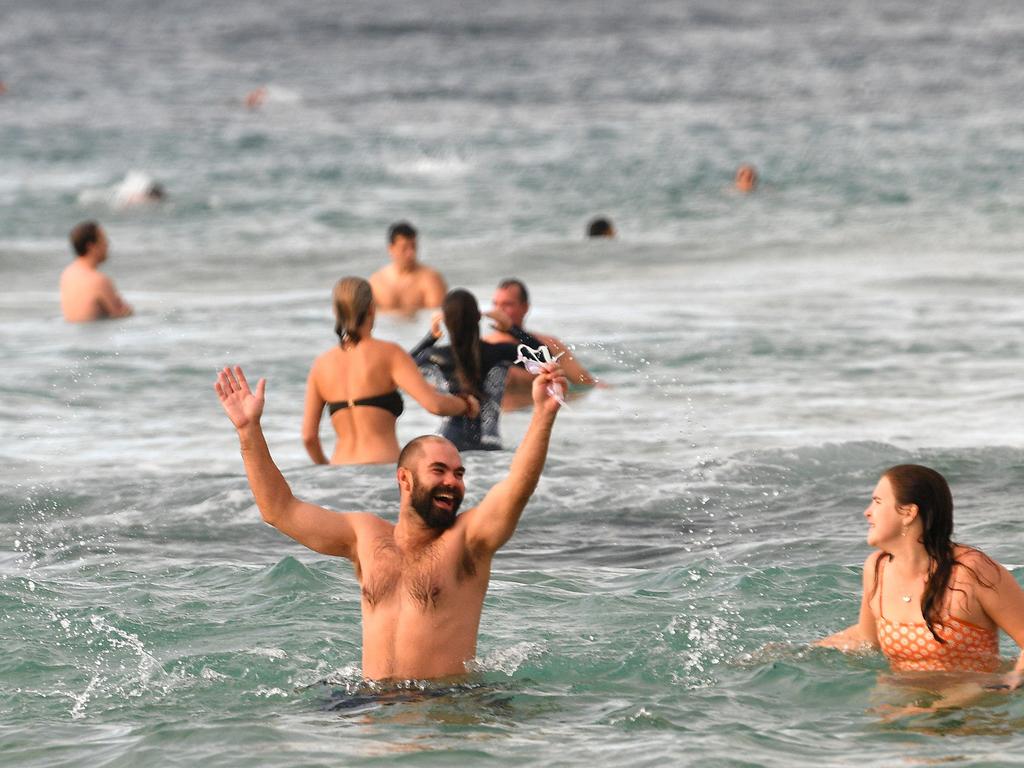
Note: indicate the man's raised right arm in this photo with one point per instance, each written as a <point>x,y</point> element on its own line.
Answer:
<point>324,531</point>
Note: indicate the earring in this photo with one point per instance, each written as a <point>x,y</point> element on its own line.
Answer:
<point>904,531</point>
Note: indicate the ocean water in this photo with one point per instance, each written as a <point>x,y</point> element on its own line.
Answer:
<point>699,522</point>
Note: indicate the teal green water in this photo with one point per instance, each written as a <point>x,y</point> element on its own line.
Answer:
<point>177,629</point>
<point>699,522</point>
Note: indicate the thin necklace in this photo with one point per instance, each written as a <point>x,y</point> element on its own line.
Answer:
<point>908,598</point>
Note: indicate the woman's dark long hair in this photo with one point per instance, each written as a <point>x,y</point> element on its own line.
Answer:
<point>353,298</point>
<point>462,318</point>
<point>914,484</point>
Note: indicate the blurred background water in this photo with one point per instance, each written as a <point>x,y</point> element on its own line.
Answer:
<point>699,521</point>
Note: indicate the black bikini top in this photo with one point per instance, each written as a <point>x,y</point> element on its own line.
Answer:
<point>390,401</point>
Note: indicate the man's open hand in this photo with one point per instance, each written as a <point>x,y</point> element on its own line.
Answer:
<point>242,405</point>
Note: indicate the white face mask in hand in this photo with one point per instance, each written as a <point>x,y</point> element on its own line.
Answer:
<point>534,359</point>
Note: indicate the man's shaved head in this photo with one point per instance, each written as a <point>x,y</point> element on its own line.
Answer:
<point>430,476</point>
<point>414,449</point>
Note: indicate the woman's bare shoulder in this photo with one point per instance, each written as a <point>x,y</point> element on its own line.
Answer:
<point>389,350</point>
<point>384,344</point>
<point>872,560</point>
<point>326,362</point>
<point>871,566</point>
<point>327,356</point>
<point>977,564</point>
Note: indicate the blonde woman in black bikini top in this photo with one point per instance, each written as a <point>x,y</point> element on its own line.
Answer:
<point>359,380</point>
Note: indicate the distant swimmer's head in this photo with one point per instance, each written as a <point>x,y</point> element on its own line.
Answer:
<point>431,480</point>
<point>600,227</point>
<point>255,98</point>
<point>462,319</point>
<point>746,178</point>
<point>89,241</point>
<point>512,298</point>
<point>402,244</point>
<point>156,192</point>
<point>912,500</point>
<point>353,309</point>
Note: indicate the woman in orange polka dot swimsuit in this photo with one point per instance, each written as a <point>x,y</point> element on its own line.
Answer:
<point>928,603</point>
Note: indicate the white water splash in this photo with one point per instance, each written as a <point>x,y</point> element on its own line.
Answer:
<point>509,660</point>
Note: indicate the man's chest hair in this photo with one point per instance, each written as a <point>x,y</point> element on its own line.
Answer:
<point>425,576</point>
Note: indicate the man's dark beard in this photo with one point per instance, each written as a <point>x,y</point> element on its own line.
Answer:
<point>423,503</point>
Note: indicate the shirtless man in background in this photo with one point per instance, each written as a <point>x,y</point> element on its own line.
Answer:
<point>405,285</point>
<point>512,298</point>
<point>86,293</point>
<point>423,581</point>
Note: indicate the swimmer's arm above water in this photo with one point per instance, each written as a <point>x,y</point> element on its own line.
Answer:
<point>110,301</point>
<point>409,379</point>
<point>312,412</point>
<point>421,352</point>
<point>503,323</point>
<point>863,634</point>
<point>494,520</point>
<point>574,371</point>
<point>324,531</point>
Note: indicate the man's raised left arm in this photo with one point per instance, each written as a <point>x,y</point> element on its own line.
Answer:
<point>494,520</point>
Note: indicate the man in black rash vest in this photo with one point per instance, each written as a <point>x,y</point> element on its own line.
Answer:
<point>513,300</point>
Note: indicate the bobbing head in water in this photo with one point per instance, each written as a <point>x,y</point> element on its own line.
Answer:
<point>430,479</point>
<point>353,305</point>
<point>746,178</point>
<point>88,239</point>
<point>600,227</point>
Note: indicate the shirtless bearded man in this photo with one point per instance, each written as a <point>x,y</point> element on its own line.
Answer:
<point>423,580</point>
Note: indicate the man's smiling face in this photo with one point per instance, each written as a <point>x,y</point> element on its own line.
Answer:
<point>438,486</point>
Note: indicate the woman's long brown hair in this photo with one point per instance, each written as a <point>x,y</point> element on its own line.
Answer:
<point>462,318</point>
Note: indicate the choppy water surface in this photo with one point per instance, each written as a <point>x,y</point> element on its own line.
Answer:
<point>699,522</point>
